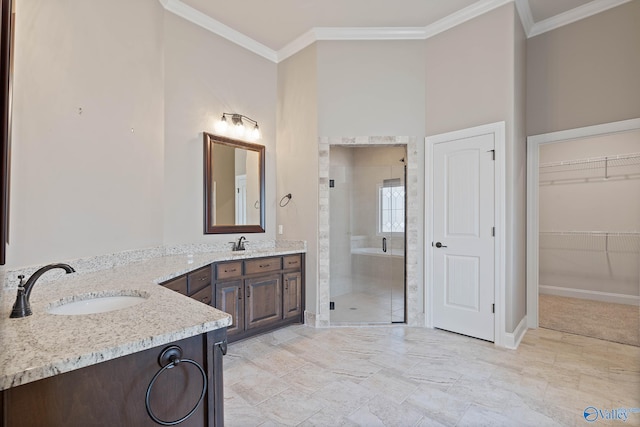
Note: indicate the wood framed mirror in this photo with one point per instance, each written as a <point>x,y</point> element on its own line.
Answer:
<point>6,45</point>
<point>234,191</point>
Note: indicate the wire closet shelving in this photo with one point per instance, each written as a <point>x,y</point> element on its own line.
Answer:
<point>597,241</point>
<point>593,168</point>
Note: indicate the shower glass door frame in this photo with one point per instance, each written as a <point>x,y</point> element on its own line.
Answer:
<point>371,289</point>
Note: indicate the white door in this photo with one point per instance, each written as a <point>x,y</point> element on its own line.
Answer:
<point>463,229</point>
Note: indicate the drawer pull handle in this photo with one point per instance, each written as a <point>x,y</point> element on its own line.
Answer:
<point>202,279</point>
<point>233,270</point>
<point>265,265</point>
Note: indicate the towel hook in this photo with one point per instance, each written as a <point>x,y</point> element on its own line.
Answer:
<point>286,196</point>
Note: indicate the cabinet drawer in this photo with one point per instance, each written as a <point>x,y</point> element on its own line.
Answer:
<point>262,265</point>
<point>291,262</point>
<point>204,295</point>
<point>199,279</point>
<point>178,284</point>
<point>228,270</point>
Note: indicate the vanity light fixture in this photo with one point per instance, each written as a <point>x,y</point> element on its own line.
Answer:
<point>238,128</point>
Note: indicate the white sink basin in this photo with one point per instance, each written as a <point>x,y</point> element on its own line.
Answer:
<point>94,305</point>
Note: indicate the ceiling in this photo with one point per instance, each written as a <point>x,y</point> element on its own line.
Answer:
<point>277,25</point>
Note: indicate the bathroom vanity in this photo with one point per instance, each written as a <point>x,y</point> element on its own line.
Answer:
<point>260,294</point>
<point>121,391</point>
<point>158,359</point>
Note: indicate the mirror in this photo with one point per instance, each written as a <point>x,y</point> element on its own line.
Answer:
<point>233,186</point>
<point>6,58</point>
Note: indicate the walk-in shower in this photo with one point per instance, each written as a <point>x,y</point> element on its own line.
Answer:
<point>367,234</point>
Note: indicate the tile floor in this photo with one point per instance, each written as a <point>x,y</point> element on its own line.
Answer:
<point>403,376</point>
<point>371,301</point>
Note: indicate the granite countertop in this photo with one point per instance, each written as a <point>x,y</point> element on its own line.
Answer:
<point>44,344</point>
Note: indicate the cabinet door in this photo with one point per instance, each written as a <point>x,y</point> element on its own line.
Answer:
<point>203,295</point>
<point>229,300</point>
<point>112,393</point>
<point>178,284</point>
<point>292,298</point>
<point>199,279</point>
<point>263,301</point>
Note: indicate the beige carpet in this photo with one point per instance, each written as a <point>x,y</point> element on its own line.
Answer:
<point>607,321</point>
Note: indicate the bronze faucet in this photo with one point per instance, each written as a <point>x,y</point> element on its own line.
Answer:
<point>22,308</point>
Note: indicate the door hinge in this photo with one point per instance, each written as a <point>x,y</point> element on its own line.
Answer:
<point>493,231</point>
<point>493,308</point>
<point>493,154</point>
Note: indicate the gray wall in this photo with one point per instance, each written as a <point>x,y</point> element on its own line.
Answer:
<point>517,188</point>
<point>371,88</point>
<point>585,73</point>
<point>90,181</point>
<point>469,73</point>
<point>126,173</point>
<point>206,75</point>
<point>297,169</point>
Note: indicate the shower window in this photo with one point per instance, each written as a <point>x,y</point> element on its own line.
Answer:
<point>391,206</point>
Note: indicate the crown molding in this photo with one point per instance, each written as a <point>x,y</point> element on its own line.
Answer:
<point>208,23</point>
<point>297,45</point>
<point>369,33</point>
<point>389,33</point>
<point>524,11</point>
<point>350,33</point>
<point>581,12</point>
<point>463,15</point>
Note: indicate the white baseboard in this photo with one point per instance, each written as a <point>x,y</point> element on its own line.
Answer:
<point>512,339</point>
<point>590,295</point>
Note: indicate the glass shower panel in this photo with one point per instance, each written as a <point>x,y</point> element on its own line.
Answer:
<point>393,229</point>
<point>367,205</point>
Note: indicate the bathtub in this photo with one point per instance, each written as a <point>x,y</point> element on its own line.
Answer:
<point>373,268</point>
<point>393,252</point>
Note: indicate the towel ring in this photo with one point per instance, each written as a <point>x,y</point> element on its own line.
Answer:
<point>286,196</point>
<point>169,358</point>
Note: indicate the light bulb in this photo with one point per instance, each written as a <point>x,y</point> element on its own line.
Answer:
<point>255,133</point>
<point>239,129</point>
<point>222,125</point>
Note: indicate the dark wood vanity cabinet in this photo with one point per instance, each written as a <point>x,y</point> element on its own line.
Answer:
<point>113,393</point>
<point>228,297</point>
<point>263,301</point>
<point>260,294</point>
<point>196,284</point>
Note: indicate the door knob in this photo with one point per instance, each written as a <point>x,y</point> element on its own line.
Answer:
<point>440,245</point>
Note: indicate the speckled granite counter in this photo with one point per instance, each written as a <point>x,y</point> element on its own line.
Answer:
<point>44,344</point>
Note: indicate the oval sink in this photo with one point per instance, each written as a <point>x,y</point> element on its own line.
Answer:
<point>95,305</point>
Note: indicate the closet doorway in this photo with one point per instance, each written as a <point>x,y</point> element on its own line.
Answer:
<point>367,211</point>
<point>588,234</point>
